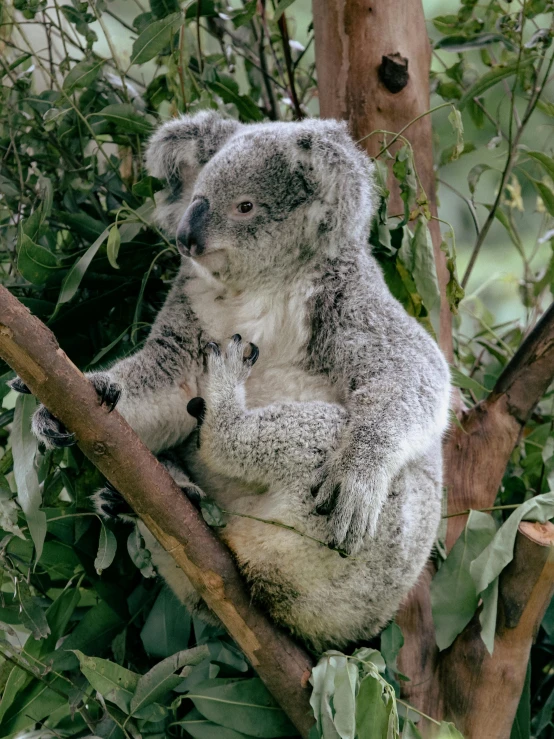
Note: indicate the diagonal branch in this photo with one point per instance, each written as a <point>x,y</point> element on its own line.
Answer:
<point>478,451</point>
<point>109,442</point>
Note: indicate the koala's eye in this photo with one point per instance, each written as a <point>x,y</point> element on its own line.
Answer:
<point>245,207</point>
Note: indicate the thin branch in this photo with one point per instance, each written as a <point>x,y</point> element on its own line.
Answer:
<point>283,28</point>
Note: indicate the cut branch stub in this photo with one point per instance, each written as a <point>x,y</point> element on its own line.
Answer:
<point>31,349</point>
<point>393,72</point>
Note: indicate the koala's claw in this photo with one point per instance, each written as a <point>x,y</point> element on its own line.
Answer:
<point>213,348</point>
<point>109,504</point>
<point>50,431</point>
<point>19,386</point>
<point>109,392</point>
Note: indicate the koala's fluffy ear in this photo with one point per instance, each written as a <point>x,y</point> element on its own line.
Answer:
<point>177,152</point>
<point>343,179</point>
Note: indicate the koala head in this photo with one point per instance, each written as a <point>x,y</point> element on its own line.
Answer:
<point>267,199</point>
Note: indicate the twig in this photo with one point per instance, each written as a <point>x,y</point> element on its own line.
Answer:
<point>282,23</point>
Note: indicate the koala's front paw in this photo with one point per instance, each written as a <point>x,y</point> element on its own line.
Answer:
<point>48,429</point>
<point>352,495</point>
<point>234,364</point>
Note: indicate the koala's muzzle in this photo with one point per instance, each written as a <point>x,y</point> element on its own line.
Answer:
<point>191,231</point>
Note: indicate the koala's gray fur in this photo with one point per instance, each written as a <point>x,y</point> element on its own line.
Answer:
<point>350,395</point>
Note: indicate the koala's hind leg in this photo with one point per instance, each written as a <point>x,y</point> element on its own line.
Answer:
<point>277,444</point>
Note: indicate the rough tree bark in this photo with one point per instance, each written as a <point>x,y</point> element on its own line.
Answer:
<point>373,59</point>
<point>109,442</point>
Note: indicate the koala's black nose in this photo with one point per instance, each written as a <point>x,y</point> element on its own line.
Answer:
<point>191,231</point>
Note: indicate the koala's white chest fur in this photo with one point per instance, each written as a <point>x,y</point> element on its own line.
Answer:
<point>276,321</point>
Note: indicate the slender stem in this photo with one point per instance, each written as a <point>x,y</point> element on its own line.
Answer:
<point>416,710</point>
<point>282,23</point>
<point>198,37</point>
<point>512,155</point>
<point>399,134</point>
<point>484,510</point>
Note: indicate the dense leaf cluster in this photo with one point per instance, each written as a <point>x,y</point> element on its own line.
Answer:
<point>91,644</point>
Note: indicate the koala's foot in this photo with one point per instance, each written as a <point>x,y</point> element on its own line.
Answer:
<point>110,504</point>
<point>49,430</point>
<point>232,365</point>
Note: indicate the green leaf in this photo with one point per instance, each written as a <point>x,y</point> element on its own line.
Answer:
<point>490,563</point>
<point>344,700</point>
<point>94,633</point>
<point>372,715</point>
<point>491,78</point>
<point>200,728</point>
<point>417,255</point>
<point>155,38</point>
<point>546,161</point>
<point>35,262</point>
<point>167,628</point>
<point>117,685</point>
<point>24,448</point>
<point>546,194</point>
<point>242,705</point>
<point>487,617</point>
<point>83,74</point>
<point>126,117</point>
<point>212,513</point>
<point>448,731</point>
<point>410,731</point>
<point>107,547</point>
<point>141,558</point>
<point>460,44</point>
<point>163,8</point>
<point>454,597</point>
<point>114,242</point>
<point>161,679</point>
<point>392,641</point>
<point>455,118</point>
<point>474,175</point>
<point>323,688</point>
<point>244,15</point>
<point>73,278</point>
<point>458,379</point>
<point>403,170</point>
<point>32,615</point>
<point>33,705</point>
<point>280,8</point>
<point>228,90</point>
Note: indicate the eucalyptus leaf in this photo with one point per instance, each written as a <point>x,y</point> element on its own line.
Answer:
<point>112,248</point>
<point>24,448</point>
<point>489,79</point>
<point>242,705</point>
<point>83,74</point>
<point>454,597</point>
<point>500,551</point>
<point>107,547</point>
<point>154,38</point>
<point>372,714</point>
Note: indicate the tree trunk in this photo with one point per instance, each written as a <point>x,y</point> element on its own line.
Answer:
<point>373,59</point>
<point>109,442</point>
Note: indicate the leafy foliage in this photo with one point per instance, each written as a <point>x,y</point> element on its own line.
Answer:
<point>91,644</point>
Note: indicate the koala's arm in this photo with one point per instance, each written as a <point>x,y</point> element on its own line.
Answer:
<point>152,387</point>
<point>158,381</point>
<point>278,444</point>
<point>396,387</point>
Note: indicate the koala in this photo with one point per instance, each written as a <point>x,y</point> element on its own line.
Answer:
<point>325,410</point>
